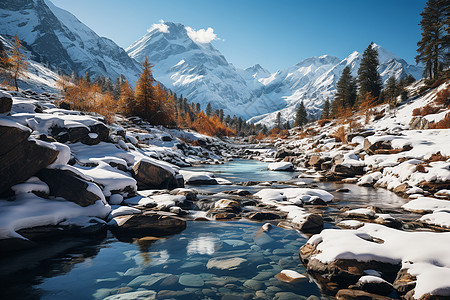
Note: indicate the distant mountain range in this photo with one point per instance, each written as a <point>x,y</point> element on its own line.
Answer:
<point>59,39</point>
<point>189,67</point>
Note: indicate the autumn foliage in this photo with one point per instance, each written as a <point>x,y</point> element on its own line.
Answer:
<point>149,100</point>
<point>211,126</point>
<point>442,124</point>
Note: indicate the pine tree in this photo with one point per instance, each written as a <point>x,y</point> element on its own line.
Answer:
<point>326,110</point>
<point>346,89</point>
<point>145,93</point>
<point>369,80</point>
<point>278,121</point>
<point>209,111</point>
<point>391,91</point>
<point>434,45</point>
<point>301,117</point>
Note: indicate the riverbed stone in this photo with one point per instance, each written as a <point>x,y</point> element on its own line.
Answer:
<point>350,294</point>
<point>148,223</point>
<point>191,280</point>
<point>229,264</point>
<point>253,284</point>
<point>138,295</point>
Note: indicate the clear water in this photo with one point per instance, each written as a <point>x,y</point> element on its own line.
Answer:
<point>168,264</point>
<point>242,170</point>
<point>176,266</point>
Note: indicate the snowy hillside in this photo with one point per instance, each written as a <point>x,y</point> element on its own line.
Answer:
<point>58,38</point>
<point>193,68</point>
<point>314,80</point>
<point>37,77</point>
<point>198,71</point>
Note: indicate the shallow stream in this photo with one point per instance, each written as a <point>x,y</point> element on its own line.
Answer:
<point>189,265</point>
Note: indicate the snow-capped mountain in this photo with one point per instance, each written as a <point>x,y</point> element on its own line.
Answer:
<point>195,69</point>
<point>314,80</point>
<point>199,72</point>
<point>59,39</point>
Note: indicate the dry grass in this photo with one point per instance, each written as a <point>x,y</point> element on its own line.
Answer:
<point>442,124</point>
<point>340,135</point>
<point>322,122</point>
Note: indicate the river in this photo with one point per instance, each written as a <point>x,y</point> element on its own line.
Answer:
<point>185,265</point>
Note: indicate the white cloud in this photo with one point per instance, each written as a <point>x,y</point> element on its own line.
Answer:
<point>202,36</point>
<point>159,26</point>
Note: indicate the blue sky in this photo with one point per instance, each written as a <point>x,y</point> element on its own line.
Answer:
<point>274,33</point>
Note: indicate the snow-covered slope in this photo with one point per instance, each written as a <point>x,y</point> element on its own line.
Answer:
<point>195,69</point>
<point>59,39</point>
<point>201,73</point>
<point>314,80</point>
<point>37,77</point>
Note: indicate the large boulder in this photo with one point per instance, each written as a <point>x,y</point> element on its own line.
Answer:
<point>5,103</point>
<point>66,184</point>
<point>379,145</point>
<point>149,223</point>
<point>151,174</point>
<point>342,273</point>
<point>342,171</point>
<point>21,158</point>
<point>11,137</point>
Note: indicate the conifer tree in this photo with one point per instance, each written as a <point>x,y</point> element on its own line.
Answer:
<point>209,111</point>
<point>433,48</point>
<point>391,91</point>
<point>326,110</point>
<point>145,93</point>
<point>278,121</point>
<point>126,103</point>
<point>301,117</point>
<point>346,89</point>
<point>369,80</point>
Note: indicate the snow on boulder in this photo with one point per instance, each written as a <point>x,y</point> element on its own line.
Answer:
<point>290,276</point>
<point>437,218</point>
<point>198,178</point>
<point>424,255</point>
<point>291,194</point>
<point>117,210</point>
<point>21,157</point>
<point>29,210</point>
<point>426,204</point>
<point>166,201</point>
<point>68,185</point>
<point>111,180</point>
<point>154,174</point>
<point>32,185</point>
<point>280,166</point>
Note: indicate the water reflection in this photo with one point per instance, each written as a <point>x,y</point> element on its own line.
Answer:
<point>204,244</point>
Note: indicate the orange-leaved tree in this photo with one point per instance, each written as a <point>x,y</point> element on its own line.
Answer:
<point>15,62</point>
<point>145,93</point>
<point>126,103</point>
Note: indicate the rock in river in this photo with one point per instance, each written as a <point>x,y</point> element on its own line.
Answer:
<point>146,224</point>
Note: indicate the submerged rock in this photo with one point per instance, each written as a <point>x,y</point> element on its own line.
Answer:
<point>146,224</point>
<point>226,263</point>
